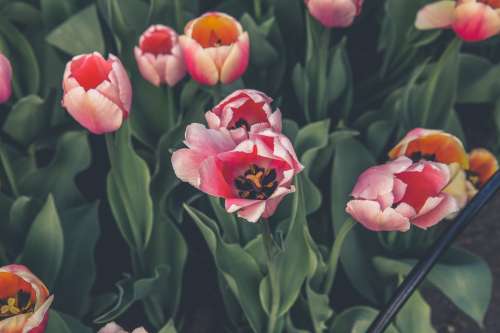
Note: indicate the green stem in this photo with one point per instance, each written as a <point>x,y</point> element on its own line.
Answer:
<point>171,110</point>
<point>322,72</point>
<point>217,93</point>
<point>9,172</point>
<point>335,254</point>
<point>179,15</point>
<point>273,286</point>
<point>257,5</point>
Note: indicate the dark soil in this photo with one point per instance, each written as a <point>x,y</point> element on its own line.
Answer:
<point>482,238</point>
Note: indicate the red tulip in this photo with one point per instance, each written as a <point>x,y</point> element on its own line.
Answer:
<point>24,301</point>
<point>395,195</point>
<point>243,111</point>
<point>334,13</point>
<point>159,56</point>
<point>5,79</point>
<point>97,92</point>
<point>253,176</point>
<point>215,48</point>
<point>472,20</point>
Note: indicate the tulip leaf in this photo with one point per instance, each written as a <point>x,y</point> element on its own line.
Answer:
<point>81,230</point>
<point>55,12</point>
<point>478,80</point>
<point>62,323</point>
<point>351,158</point>
<point>130,291</point>
<point>27,119</point>
<point>81,33</point>
<point>58,177</point>
<point>44,247</point>
<point>415,316</point>
<point>319,308</point>
<point>169,327</point>
<point>22,13</point>
<point>240,270</point>
<point>262,53</point>
<point>357,320</point>
<point>128,190</point>
<point>462,276</point>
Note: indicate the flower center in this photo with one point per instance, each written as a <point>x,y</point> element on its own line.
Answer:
<point>90,70</point>
<point>493,3</point>
<point>215,30</point>
<point>241,123</point>
<point>418,156</point>
<point>157,42</point>
<point>474,178</point>
<point>16,296</point>
<point>256,183</point>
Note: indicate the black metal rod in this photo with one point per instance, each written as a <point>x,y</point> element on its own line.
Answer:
<point>424,266</point>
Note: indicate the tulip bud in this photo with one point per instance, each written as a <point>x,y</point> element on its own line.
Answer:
<point>5,79</point>
<point>334,13</point>
<point>24,301</point>
<point>97,92</point>
<point>483,165</point>
<point>471,20</point>
<point>159,56</point>
<point>215,48</point>
<point>115,328</point>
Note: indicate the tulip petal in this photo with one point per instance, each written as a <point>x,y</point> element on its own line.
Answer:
<point>119,77</point>
<point>436,15</point>
<point>332,14</point>
<point>373,218</point>
<point>212,179</point>
<point>476,21</point>
<point>198,62</point>
<point>93,111</point>
<point>146,68</point>
<point>447,206</point>
<point>254,212</point>
<point>5,79</point>
<point>174,70</point>
<point>237,61</point>
<point>38,321</point>
<point>186,164</point>
<point>208,141</point>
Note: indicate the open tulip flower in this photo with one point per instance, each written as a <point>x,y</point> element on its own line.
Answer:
<point>483,165</point>
<point>215,48</point>
<point>24,301</point>
<point>243,111</point>
<point>472,20</point>
<point>159,56</point>
<point>252,176</point>
<point>5,79</point>
<point>97,92</point>
<point>438,146</point>
<point>115,328</point>
<point>334,13</point>
<point>395,195</point>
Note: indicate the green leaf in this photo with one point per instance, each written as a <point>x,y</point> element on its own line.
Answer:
<point>128,190</point>
<point>21,215</point>
<point>415,316</point>
<point>169,327</point>
<point>227,222</point>
<point>478,80</point>
<point>54,12</point>
<point>262,53</point>
<point>357,320</point>
<point>239,269</point>
<point>131,291</point>
<point>27,119</point>
<point>81,231</point>
<point>26,70</point>
<point>44,248</point>
<point>23,13</point>
<point>319,308</point>
<point>58,177</point>
<point>350,160</point>
<point>463,277</point>
<point>84,24</point>
<point>63,323</point>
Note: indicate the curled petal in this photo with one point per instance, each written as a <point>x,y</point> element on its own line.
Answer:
<point>208,141</point>
<point>373,218</point>
<point>38,321</point>
<point>186,164</point>
<point>198,62</point>
<point>447,206</point>
<point>236,62</point>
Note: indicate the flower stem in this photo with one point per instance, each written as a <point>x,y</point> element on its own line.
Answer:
<point>9,172</point>
<point>273,286</point>
<point>335,253</point>
<point>179,16</point>
<point>171,111</point>
<point>257,5</point>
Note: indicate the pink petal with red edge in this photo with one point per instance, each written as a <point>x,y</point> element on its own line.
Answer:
<point>436,15</point>
<point>446,207</point>
<point>476,21</point>
<point>23,272</point>
<point>146,68</point>
<point>93,111</point>
<point>236,62</point>
<point>232,205</point>
<point>198,62</point>
<point>212,179</point>
<point>369,214</point>
<point>186,164</point>
<point>276,121</point>
<point>333,13</point>
<point>273,202</point>
<point>175,70</point>
<point>119,77</point>
<point>208,141</point>
<point>213,120</point>
<point>38,321</point>
<point>5,79</point>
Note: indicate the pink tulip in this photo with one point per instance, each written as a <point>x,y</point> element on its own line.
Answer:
<point>159,56</point>
<point>215,48</point>
<point>392,196</point>
<point>243,111</point>
<point>97,92</point>
<point>252,176</point>
<point>472,20</point>
<point>114,328</point>
<point>334,13</point>
<point>24,301</point>
<point>5,79</point>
